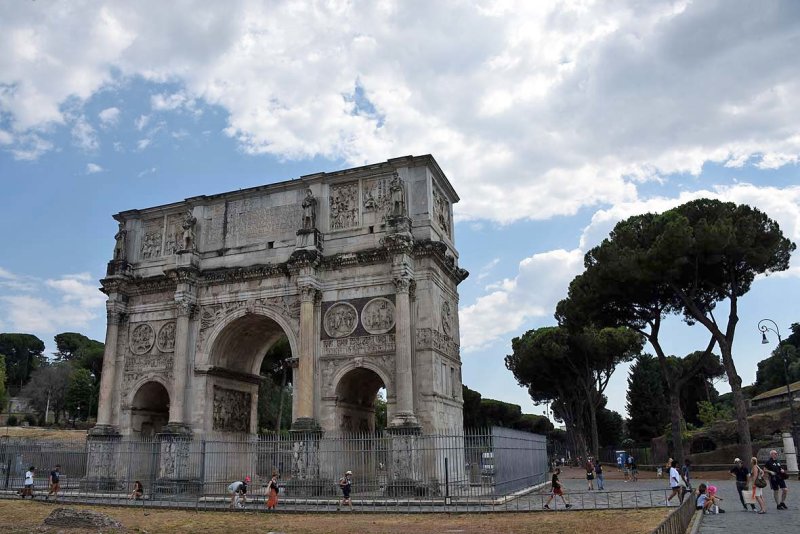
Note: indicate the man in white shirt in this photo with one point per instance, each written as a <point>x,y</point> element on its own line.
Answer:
<point>27,489</point>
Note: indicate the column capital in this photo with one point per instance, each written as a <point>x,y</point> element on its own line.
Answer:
<point>115,311</point>
<point>185,305</point>
<point>402,284</point>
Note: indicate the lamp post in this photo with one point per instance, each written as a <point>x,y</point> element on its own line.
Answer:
<point>764,327</point>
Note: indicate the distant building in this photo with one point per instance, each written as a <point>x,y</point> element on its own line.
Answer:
<point>775,398</point>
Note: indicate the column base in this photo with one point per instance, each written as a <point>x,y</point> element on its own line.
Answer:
<point>404,421</point>
<point>102,444</point>
<point>305,424</point>
<point>177,429</point>
<point>104,431</point>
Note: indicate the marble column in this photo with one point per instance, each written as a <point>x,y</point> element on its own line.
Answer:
<point>404,381</point>
<point>177,406</point>
<point>115,309</point>
<point>304,417</point>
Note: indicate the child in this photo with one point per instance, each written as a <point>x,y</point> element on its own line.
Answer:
<point>712,502</point>
<point>557,490</point>
<point>702,497</point>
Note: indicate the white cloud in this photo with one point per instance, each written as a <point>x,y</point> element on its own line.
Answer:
<point>92,168</point>
<point>141,122</point>
<point>541,282</point>
<point>6,138</point>
<point>141,144</point>
<point>84,135</point>
<point>486,269</point>
<point>145,172</point>
<point>534,109</point>
<point>109,116</point>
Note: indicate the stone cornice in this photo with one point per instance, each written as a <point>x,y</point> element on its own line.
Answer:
<point>239,274</point>
<point>438,251</point>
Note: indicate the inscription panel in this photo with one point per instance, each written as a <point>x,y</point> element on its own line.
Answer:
<point>252,221</point>
<point>213,227</point>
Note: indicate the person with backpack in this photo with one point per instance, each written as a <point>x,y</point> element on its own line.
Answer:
<point>238,491</point>
<point>346,484</point>
<point>55,478</point>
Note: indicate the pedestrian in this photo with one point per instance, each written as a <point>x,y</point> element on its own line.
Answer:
<point>55,477</point>
<point>674,483</point>
<point>686,472</point>
<point>619,462</point>
<point>777,479</point>
<point>556,490</point>
<point>757,483</point>
<point>346,484</point>
<point>138,491</point>
<point>633,469</point>
<point>27,488</point>
<point>238,491</point>
<point>589,466</point>
<point>272,491</point>
<point>740,473</point>
<point>598,471</point>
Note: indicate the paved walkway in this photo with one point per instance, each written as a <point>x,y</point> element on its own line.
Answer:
<point>737,520</point>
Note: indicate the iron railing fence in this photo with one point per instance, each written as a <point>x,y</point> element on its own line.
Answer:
<point>472,463</point>
<point>678,521</point>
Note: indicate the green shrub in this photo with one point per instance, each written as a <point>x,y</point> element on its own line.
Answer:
<point>12,420</point>
<point>30,419</point>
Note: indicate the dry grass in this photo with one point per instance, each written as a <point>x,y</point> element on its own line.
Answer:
<point>19,516</point>
<point>34,432</point>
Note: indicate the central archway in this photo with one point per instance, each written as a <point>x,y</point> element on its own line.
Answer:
<point>236,351</point>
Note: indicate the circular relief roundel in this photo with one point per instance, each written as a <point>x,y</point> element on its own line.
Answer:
<point>142,338</point>
<point>340,320</point>
<point>166,337</point>
<point>378,316</point>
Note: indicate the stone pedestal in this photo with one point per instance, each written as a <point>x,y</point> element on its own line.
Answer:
<point>306,480</point>
<point>309,239</point>
<point>102,459</point>
<point>405,463</point>
<point>176,475</point>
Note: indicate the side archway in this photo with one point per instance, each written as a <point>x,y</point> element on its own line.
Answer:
<point>149,408</point>
<point>356,392</point>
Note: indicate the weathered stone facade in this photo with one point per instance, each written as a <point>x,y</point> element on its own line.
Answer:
<point>357,268</point>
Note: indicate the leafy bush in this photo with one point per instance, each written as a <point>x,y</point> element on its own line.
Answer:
<point>12,420</point>
<point>30,419</point>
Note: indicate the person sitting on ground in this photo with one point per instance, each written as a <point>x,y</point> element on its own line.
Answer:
<point>711,505</point>
<point>557,490</point>
<point>138,491</point>
<point>238,491</point>
<point>702,497</point>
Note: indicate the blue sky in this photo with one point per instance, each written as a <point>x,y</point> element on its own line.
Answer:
<point>553,121</point>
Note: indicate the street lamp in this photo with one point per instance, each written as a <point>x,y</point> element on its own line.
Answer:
<point>764,327</point>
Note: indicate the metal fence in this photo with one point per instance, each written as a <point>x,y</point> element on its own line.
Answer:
<point>678,521</point>
<point>484,463</point>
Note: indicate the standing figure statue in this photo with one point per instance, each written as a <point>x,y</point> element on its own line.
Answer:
<point>398,197</point>
<point>309,211</point>
<point>119,247</point>
<point>188,231</point>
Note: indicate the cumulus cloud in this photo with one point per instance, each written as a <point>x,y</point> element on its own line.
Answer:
<point>92,168</point>
<point>84,135</point>
<point>46,307</point>
<point>109,116</point>
<point>544,106</point>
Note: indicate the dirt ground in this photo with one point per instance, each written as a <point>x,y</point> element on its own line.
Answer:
<point>34,432</point>
<point>27,516</point>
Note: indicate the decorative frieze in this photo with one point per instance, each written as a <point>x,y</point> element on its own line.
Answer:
<point>359,346</point>
<point>377,196</point>
<point>165,341</point>
<point>211,314</point>
<point>441,212</point>
<point>231,412</point>
<point>152,237</point>
<point>344,206</point>
<point>447,319</point>
<point>430,339</point>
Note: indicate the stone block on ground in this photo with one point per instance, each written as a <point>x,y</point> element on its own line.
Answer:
<point>75,518</point>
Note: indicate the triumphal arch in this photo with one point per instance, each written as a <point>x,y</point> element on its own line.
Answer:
<point>356,268</point>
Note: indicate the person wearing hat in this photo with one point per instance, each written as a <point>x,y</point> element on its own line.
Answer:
<point>346,484</point>
<point>238,491</point>
<point>740,473</point>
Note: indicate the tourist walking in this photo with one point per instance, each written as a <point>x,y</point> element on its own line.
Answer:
<point>633,469</point>
<point>589,473</point>
<point>757,483</point>
<point>598,471</point>
<point>777,479</point>
<point>27,488</point>
<point>556,489</point>
<point>686,473</point>
<point>138,491</point>
<point>272,492</point>
<point>674,483</point>
<point>740,473</point>
<point>238,491</point>
<point>346,484</point>
<point>55,477</point>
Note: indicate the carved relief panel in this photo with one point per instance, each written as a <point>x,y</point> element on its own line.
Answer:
<point>152,236</point>
<point>377,317</point>
<point>344,206</point>
<point>142,338</point>
<point>165,341</point>
<point>173,236</point>
<point>340,320</point>
<point>441,211</point>
<point>447,319</point>
<point>231,410</point>
<point>377,197</point>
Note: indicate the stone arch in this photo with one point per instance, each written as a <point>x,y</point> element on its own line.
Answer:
<point>255,315</point>
<point>356,385</point>
<point>149,406</point>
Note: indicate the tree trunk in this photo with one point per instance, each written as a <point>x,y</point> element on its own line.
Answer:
<point>739,405</point>
<point>675,425</point>
<point>593,433</point>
